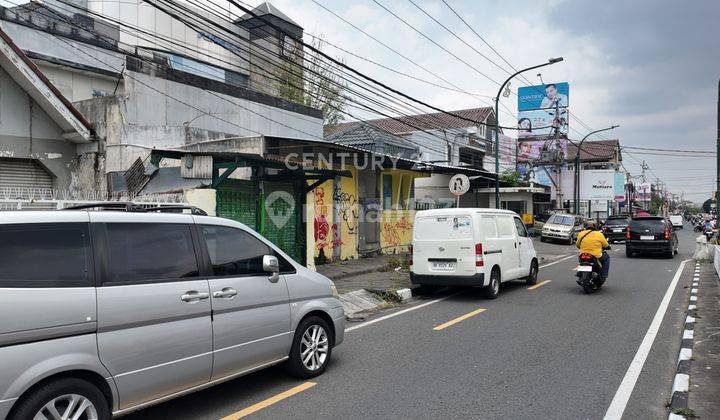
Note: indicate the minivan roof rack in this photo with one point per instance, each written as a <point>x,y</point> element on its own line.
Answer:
<point>135,207</point>
<point>109,205</point>
<point>193,210</point>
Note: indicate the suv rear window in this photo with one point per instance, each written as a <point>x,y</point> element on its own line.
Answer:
<point>616,222</point>
<point>657,224</point>
<point>45,255</point>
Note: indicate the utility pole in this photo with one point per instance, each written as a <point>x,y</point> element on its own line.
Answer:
<point>497,124</point>
<point>717,162</point>
<point>578,163</point>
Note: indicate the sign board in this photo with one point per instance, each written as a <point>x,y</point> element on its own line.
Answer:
<point>551,95</point>
<point>542,122</point>
<point>597,184</point>
<point>643,191</point>
<point>620,186</point>
<point>459,184</point>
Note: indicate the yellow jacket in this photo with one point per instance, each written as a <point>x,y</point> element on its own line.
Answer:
<point>591,242</point>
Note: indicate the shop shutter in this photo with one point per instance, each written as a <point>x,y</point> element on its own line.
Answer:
<point>24,179</point>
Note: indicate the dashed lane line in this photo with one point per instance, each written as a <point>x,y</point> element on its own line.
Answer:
<point>270,401</point>
<point>542,283</point>
<point>459,319</point>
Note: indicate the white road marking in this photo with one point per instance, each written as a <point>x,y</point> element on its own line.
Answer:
<point>422,305</point>
<point>622,395</point>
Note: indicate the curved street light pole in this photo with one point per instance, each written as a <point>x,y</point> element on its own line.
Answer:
<point>497,124</point>
<point>577,165</point>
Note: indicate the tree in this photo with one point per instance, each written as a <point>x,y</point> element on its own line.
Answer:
<point>707,205</point>
<point>309,79</point>
<point>511,178</point>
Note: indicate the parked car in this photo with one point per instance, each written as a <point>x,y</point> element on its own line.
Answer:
<point>471,247</point>
<point>677,221</point>
<point>615,228</point>
<point>563,227</point>
<point>650,234</point>
<point>115,311</point>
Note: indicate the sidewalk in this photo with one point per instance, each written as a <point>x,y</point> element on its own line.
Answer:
<point>704,395</point>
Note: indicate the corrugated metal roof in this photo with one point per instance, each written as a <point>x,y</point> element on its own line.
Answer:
<point>410,123</point>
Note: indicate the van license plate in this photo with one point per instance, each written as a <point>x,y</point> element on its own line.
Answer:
<point>584,268</point>
<point>647,238</point>
<point>617,230</point>
<point>443,266</point>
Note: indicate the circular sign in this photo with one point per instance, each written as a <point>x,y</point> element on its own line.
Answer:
<point>459,184</point>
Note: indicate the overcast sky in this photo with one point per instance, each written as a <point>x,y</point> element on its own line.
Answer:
<point>650,66</point>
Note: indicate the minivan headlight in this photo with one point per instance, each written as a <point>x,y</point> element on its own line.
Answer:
<point>334,291</point>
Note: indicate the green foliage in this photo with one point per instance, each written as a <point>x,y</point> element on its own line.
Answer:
<point>511,177</point>
<point>311,80</point>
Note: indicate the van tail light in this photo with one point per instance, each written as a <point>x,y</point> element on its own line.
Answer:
<point>479,256</point>
<point>627,233</point>
<point>667,234</point>
<point>410,255</point>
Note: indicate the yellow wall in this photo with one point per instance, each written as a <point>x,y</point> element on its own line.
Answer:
<point>349,211</point>
<point>396,224</point>
<point>320,216</point>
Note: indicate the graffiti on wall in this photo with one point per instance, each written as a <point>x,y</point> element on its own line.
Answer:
<point>321,226</point>
<point>397,232</point>
<point>348,210</point>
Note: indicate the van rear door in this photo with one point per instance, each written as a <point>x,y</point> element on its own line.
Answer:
<point>444,245</point>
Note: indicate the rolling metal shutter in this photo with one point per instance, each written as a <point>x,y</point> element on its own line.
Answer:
<point>24,179</point>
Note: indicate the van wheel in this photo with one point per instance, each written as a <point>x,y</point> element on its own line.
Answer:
<point>543,239</point>
<point>311,348</point>
<point>67,398</point>
<point>532,278</point>
<point>492,290</point>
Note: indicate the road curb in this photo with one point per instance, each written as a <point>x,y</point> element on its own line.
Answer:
<point>681,383</point>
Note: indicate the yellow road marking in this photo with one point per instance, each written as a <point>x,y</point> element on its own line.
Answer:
<point>458,319</point>
<point>539,284</point>
<point>270,401</point>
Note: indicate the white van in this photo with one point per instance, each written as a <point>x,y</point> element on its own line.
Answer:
<point>471,247</point>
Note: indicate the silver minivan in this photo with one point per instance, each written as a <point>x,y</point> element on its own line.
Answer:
<point>106,312</point>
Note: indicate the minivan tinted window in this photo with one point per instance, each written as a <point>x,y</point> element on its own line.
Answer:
<point>45,255</point>
<point>234,252</point>
<point>139,252</point>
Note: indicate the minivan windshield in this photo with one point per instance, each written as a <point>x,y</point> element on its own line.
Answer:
<point>560,219</point>
<point>443,228</point>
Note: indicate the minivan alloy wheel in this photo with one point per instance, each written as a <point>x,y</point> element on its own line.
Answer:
<point>68,407</point>
<point>314,347</point>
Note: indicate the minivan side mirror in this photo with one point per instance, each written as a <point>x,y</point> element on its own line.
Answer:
<point>271,265</point>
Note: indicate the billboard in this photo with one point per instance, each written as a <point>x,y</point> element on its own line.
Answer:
<point>551,95</point>
<point>542,122</point>
<point>643,191</point>
<point>536,158</point>
<point>620,186</point>
<point>597,184</point>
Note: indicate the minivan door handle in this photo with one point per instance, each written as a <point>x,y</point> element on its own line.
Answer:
<point>193,296</point>
<point>226,293</point>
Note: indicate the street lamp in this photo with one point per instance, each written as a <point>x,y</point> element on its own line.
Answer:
<point>497,124</point>
<point>577,165</point>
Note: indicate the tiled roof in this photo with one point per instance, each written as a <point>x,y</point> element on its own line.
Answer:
<point>433,121</point>
<point>599,150</point>
<point>366,134</point>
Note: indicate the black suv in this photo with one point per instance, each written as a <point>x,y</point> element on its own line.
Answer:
<point>615,228</point>
<point>651,235</point>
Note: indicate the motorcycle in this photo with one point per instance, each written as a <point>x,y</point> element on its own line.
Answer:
<point>589,273</point>
<point>699,227</point>
<point>709,233</point>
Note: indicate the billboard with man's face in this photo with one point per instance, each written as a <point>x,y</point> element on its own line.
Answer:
<point>551,95</point>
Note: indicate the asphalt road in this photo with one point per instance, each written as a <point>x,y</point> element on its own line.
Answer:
<point>551,352</point>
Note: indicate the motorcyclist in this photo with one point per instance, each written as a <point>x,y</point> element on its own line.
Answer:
<point>593,242</point>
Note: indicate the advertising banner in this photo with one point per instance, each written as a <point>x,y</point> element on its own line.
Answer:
<point>643,191</point>
<point>542,122</point>
<point>620,186</point>
<point>597,184</point>
<point>551,95</point>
